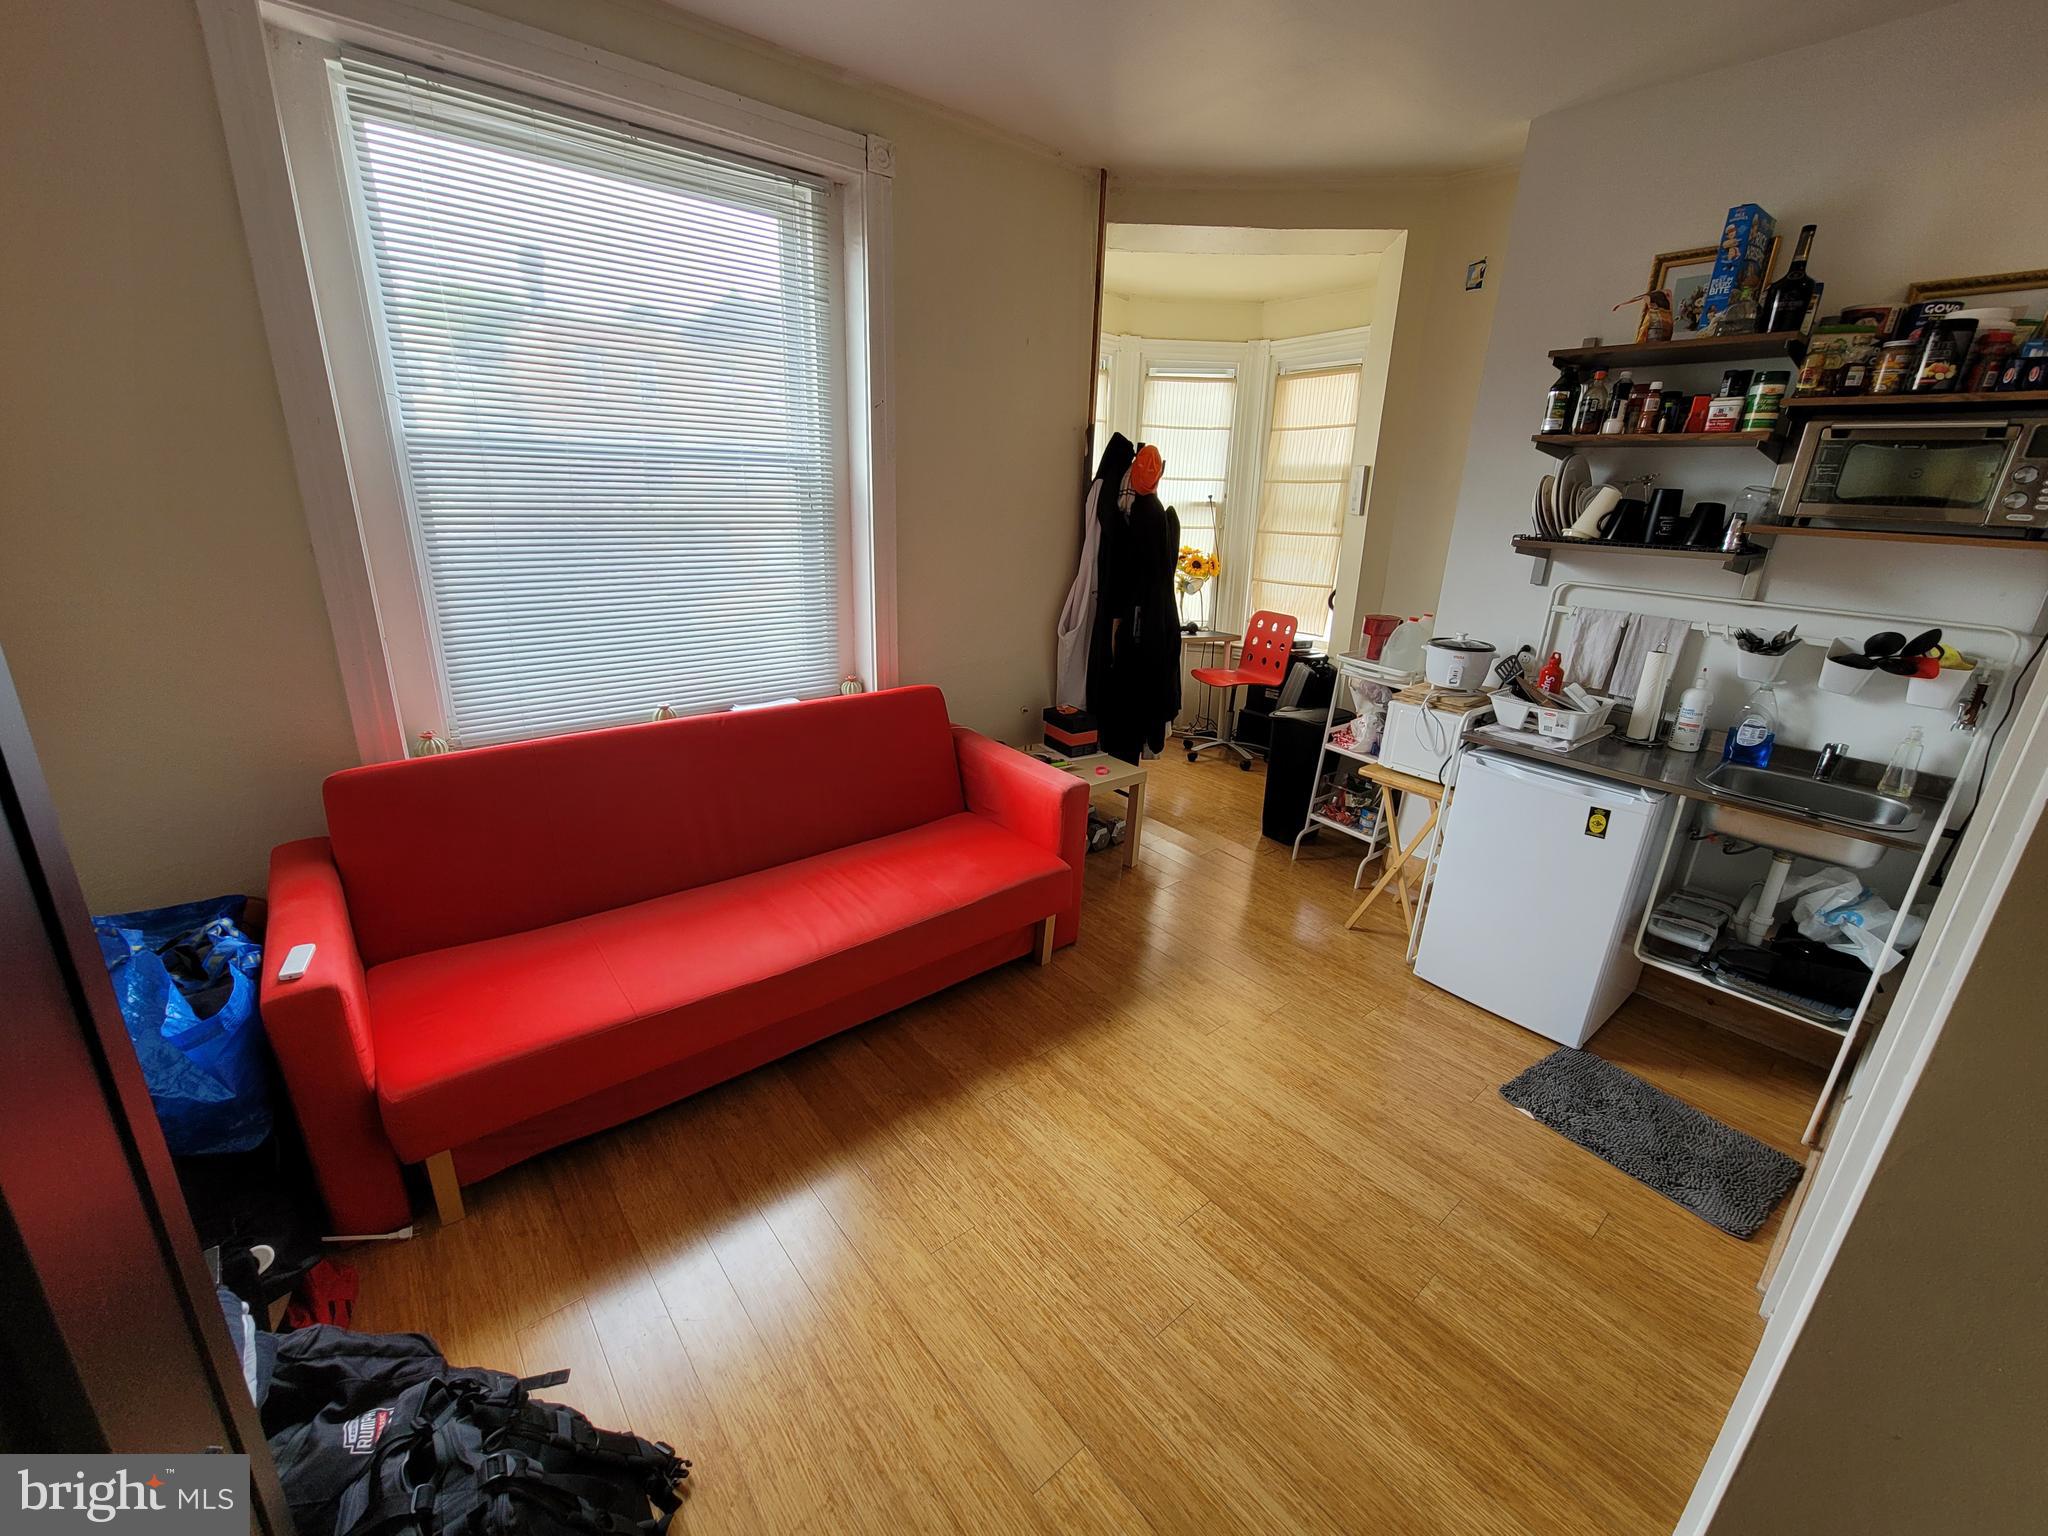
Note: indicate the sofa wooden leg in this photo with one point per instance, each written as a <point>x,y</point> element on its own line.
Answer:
<point>1045,941</point>
<point>447,1192</point>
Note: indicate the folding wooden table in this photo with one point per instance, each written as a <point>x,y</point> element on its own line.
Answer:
<point>1391,783</point>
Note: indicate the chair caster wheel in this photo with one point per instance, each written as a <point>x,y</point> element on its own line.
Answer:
<point>1244,765</point>
<point>1191,757</point>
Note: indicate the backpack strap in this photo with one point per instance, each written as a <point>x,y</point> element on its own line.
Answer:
<point>505,1476</point>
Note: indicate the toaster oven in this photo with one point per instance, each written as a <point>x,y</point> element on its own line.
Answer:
<point>1977,472</point>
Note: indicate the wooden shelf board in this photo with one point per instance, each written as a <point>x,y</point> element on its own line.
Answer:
<point>1897,536</point>
<point>1561,445</point>
<point>1688,349</point>
<point>1900,402</point>
<point>1742,561</point>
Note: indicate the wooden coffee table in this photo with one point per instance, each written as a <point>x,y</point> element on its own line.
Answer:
<point>1100,771</point>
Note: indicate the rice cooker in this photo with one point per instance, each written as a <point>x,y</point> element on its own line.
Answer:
<point>1457,662</point>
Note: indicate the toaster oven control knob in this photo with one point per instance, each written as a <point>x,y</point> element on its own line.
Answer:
<point>2026,474</point>
<point>2017,501</point>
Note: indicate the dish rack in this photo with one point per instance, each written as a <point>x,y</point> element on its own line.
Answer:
<point>1342,800</point>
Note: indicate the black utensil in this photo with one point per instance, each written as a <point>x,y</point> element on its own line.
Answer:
<point>1921,643</point>
<point>1898,666</point>
<point>1886,642</point>
<point>1856,663</point>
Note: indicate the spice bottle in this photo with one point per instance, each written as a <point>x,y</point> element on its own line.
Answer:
<point>1649,404</point>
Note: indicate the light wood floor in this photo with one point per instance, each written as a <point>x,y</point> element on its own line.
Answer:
<point>1216,1224</point>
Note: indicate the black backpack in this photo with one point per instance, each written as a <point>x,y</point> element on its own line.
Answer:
<point>471,1452</point>
<point>377,1431</point>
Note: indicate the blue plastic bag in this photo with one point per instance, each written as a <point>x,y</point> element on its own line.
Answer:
<point>186,978</point>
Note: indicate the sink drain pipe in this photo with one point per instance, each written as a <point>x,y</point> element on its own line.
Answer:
<point>1759,924</point>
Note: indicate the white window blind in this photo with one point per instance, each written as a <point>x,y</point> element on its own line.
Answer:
<point>612,379</point>
<point>1186,415</point>
<point>1301,493</point>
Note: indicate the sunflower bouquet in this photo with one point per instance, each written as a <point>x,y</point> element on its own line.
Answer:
<point>1194,569</point>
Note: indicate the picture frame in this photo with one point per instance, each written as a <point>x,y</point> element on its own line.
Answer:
<point>1974,287</point>
<point>1684,274</point>
<point>2026,291</point>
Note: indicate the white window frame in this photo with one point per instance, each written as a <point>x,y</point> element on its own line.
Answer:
<point>1258,365</point>
<point>322,352</point>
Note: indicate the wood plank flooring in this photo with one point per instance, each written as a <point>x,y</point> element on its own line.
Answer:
<point>1216,1224</point>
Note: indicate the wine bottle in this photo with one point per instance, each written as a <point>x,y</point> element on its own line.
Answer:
<point>1557,404</point>
<point>1591,407</point>
<point>1787,300</point>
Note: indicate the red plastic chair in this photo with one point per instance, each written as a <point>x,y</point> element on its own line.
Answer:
<point>1268,642</point>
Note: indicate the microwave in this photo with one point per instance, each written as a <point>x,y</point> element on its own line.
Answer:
<point>1977,472</point>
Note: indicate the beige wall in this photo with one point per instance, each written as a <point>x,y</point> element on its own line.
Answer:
<point>1916,1398</point>
<point>1137,314</point>
<point>1433,332</point>
<point>1897,194</point>
<point>158,602</point>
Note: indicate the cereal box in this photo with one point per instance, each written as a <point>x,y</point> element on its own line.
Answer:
<point>1745,242</point>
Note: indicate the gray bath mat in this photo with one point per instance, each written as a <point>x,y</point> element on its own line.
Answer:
<point>1711,1169</point>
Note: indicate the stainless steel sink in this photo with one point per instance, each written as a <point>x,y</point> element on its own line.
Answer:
<point>1817,818</point>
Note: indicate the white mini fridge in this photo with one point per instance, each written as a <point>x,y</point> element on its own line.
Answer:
<point>1540,884</point>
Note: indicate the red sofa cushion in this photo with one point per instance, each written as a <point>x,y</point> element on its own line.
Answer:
<point>476,1038</point>
<point>442,851</point>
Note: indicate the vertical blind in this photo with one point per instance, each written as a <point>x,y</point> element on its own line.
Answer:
<point>1187,416</point>
<point>1301,493</point>
<point>613,382</point>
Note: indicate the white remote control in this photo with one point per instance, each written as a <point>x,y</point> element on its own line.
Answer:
<point>295,963</point>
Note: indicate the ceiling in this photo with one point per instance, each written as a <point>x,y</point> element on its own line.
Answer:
<point>1284,87</point>
<point>1182,261</point>
<point>1253,279</point>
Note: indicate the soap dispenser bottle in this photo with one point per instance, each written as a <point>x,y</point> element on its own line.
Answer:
<point>1690,729</point>
<point>1754,735</point>
<point>1903,771</point>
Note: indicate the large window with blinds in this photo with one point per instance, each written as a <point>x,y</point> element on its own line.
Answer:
<point>1187,413</point>
<point>586,369</point>
<point>610,369</point>
<point>1302,488</point>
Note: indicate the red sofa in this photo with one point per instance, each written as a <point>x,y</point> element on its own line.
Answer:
<point>521,945</point>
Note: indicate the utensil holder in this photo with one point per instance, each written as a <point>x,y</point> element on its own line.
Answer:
<point>1754,667</point>
<point>1941,690</point>
<point>1836,678</point>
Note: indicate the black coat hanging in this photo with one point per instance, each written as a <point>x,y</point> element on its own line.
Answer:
<point>1134,671</point>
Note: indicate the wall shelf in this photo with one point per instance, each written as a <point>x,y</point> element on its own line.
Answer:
<point>1686,349</point>
<point>1880,405</point>
<point>1742,562</point>
<point>1562,445</point>
<point>1899,536</point>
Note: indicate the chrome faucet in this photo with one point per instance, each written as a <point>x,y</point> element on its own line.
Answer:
<point>1830,759</point>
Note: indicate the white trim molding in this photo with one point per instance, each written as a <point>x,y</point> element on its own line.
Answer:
<point>318,355</point>
<point>1256,366</point>
<point>2004,822</point>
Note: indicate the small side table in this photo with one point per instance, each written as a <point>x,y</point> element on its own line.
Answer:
<point>1391,783</point>
<point>1202,722</point>
<point>1100,771</point>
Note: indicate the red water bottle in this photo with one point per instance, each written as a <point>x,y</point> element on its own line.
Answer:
<point>1551,678</point>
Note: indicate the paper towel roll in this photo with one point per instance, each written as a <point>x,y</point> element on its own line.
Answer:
<point>1648,706</point>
